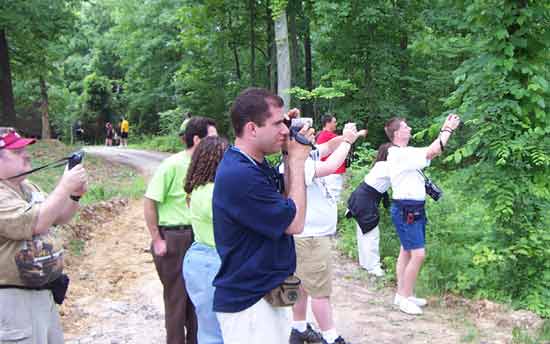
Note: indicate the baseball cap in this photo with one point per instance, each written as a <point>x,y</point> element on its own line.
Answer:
<point>12,140</point>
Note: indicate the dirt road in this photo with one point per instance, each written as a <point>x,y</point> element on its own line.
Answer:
<point>115,295</point>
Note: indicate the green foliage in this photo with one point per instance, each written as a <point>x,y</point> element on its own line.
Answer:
<point>167,143</point>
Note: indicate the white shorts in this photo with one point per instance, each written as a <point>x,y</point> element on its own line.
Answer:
<point>259,323</point>
<point>29,316</point>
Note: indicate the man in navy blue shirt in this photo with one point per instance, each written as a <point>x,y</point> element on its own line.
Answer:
<point>254,221</point>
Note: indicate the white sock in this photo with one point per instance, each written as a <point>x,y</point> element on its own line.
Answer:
<point>330,335</point>
<point>299,325</point>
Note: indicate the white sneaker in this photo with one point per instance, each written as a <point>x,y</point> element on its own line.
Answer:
<point>416,300</point>
<point>420,302</point>
<point>378,272</point>
<point>409,307</point>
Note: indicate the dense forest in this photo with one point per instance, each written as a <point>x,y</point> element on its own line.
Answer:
<point>489,60</point>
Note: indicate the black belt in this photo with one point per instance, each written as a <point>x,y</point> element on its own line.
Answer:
<point>10,286</point>
<point>176,228</point>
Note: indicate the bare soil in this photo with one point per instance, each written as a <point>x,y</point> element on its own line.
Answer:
<point>115,295</point>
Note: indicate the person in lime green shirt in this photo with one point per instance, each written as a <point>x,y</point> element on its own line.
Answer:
<point>169,222</point>
<point>201,262</point>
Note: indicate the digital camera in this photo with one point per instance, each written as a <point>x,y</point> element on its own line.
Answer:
<point>75,158</point>
<point>432,190</point>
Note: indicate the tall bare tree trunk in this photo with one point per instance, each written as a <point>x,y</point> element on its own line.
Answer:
<point>233,45</point>
<point>252,11</point>
<point>271,52</point>
<point>8,117</point>
<point>44,108</point>
<point>308,70</point>
<point>293,38</point>
<point>283,59</point>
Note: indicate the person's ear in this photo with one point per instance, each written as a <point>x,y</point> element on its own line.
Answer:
<point>196,140</point>
<point>250,128</point>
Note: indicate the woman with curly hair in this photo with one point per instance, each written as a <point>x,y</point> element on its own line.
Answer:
<point>201,262</point>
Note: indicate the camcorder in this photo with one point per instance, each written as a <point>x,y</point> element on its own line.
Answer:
<point>295,125</point>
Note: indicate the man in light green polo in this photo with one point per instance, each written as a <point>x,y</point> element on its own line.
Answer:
<point>168,221</point>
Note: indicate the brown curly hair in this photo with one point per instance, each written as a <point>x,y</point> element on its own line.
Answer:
<point>204,162</point>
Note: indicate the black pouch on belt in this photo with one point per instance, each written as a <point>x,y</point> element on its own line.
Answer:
<point>59,288</point>
<point>413,213</point>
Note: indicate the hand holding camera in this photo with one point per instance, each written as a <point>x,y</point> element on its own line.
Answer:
<point>75,181</point>
<point>300,141</point>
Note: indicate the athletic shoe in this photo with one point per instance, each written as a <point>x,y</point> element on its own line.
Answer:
<point>420,302</point>
<point>378,272</point>
<point>409,307</point>
<point>308,336</point>
<point>338,340</point>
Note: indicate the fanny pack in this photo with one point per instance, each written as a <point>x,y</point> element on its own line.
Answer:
<point>286,294</point>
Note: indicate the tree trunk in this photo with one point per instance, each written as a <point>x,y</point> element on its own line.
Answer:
<point>44,108</point>
<point>308,71</point>
<point>283,59</point>
<point>293,37</point>
<point>271,53</point>
<point>252,11</point>
<point>233,45</point>
<point>8,117</point>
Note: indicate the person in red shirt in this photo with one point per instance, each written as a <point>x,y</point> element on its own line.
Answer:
<point>335,181</point>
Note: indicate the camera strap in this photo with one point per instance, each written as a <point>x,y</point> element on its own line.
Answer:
<point>53,164</point>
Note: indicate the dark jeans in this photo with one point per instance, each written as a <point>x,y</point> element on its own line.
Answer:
<point>180,318</point>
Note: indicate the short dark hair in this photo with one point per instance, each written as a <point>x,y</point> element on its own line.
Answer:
<point>252,105</point>
<point>392,125</point>
<point>197,126</point>
<point>326,119</point>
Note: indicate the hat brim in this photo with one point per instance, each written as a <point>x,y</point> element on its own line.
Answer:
<point>20,143</point>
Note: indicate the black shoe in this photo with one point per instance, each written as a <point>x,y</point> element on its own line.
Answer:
<point>308,336</point>
<point>338,340</point>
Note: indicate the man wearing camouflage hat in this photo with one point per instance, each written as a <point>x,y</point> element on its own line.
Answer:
<point>31,257</point>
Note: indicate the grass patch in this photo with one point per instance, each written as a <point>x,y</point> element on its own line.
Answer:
<point>76,247</point>
<point>106,180</point>
<point>167,143</point>
<point>542,335</point>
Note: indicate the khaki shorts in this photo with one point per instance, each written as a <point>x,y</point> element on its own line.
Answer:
<point>29,316</point>
<point>313,265</point>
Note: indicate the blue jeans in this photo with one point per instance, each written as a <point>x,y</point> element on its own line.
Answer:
<point>201,264</point>
<point>412,234</point>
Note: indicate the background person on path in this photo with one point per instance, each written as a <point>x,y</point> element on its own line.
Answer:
<point>28,313</point>
<point>201,262</point>
<point>335,181</point>
<point>254,221</point>
<point>169,223</point>
<point>124,130</point>
<point>363,206</point>
<point>313,245</point>
<point>407,210</point>
<point>109,134</point>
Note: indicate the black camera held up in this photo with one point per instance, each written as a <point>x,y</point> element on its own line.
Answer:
<point>75,159</point>
<point>432,189</point>
<point>295,125</point>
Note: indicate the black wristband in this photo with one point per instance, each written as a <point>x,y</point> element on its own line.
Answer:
<point>75,198</point>
<point>447,130</point>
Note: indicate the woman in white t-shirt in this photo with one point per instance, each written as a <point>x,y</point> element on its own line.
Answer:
<point>363,207</point>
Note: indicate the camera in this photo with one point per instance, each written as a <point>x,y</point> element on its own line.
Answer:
<point>295,125</point>
<point>75,158</point>
<point>433,190</point>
